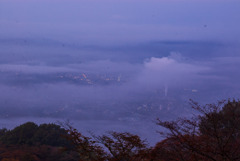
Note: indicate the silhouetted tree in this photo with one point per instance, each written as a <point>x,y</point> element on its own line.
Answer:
<point>31,134</point>
<point>114,146</point>
<point>22,134</point>
<point>124,146</point>
<point>51,134</point>
<point>212,134</point>
<point>35,153</point>
<point>86,147</point>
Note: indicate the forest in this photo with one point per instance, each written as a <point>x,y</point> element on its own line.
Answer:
<point>211,133</point>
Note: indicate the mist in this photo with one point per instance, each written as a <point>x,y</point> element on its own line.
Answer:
<point>115,65</point>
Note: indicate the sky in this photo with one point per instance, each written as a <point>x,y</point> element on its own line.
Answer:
<point>115,21</point>
<point>115,64</point>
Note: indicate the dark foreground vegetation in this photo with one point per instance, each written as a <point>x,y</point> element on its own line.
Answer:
<point>212,133</point>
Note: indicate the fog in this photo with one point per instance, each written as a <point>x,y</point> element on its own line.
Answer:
<point>115,90</point>
<point>115,65</point>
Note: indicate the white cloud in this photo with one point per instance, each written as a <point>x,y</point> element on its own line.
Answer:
<point>167,70</point>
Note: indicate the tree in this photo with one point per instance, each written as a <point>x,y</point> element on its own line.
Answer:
<point>114,146</point>
<point>86,147</point>
<point>124,146</point>
<point>35,153</point>
<point>31,134</point>
<point>212,134</point>
<point>50,134</point>
<point>22,134</point>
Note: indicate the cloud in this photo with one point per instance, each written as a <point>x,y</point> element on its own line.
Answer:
<point>31,69</point>
<point>137,100</point>
<point>85,34</point>
<point>107,66</point>
<point>158,72</point>
<point>103,22</point>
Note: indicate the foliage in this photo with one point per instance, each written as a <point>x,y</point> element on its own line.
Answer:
<point>34,153</point>
<point>213,134</point>
<point>32,134</point>
<point>51,134</point>
<point>87,148</point>
<point>114,146</point>
<point>22,134</point>
<point>123,146</point>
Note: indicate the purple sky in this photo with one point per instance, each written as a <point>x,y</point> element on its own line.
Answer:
<point>115,21</point>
